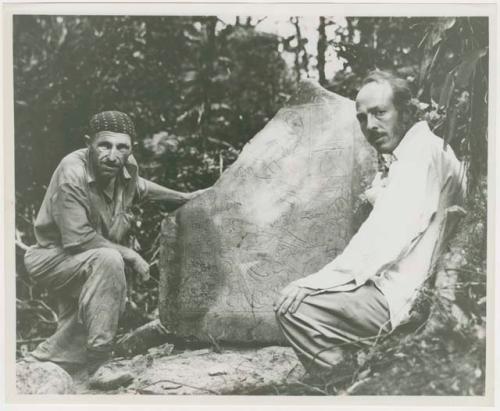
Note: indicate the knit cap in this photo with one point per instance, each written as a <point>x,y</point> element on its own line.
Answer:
<point>114,121</point>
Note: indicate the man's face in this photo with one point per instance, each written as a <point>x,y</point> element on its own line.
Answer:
<point>379,119</point>
<point>109,152</point>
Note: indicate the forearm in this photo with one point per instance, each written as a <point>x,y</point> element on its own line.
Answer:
<point>98,241</point>
<point>156,192</point>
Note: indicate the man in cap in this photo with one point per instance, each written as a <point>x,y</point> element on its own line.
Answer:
<point>81,232</point>
<point>369,288</point>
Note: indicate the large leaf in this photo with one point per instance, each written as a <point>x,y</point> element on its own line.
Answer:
<point>466,68</point>
<point>432,40</point>
<point>428,63</point>
<point>442,25</point>
<point>447,90</point>
<point>452,127</point>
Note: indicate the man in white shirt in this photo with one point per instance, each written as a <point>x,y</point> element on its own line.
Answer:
<point>369,288</point>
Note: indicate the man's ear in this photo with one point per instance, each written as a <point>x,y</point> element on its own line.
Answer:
<point>87,139</point>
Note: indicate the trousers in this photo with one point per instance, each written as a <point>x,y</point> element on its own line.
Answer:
<point>327,324</point>
<point>90,290</point>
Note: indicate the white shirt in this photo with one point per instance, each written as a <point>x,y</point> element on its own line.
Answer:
<point>394,246</point>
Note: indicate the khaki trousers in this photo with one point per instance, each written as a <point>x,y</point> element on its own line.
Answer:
<point>90,288</point>
<point>327,324</point>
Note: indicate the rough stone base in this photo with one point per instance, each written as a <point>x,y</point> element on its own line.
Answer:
<point>205,372</point>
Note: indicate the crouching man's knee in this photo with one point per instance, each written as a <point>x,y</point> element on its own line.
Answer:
<point>109,265</point>
<point>109,257</point>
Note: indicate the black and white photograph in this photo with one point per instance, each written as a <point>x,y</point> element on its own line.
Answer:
<point>265,204</point>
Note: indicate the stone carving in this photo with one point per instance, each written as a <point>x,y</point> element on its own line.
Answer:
<point>282,211</point>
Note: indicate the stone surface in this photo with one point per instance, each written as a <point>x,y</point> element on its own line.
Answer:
<point>162,350</point>
<point>204,372</point>
<point>235,372</point>
<point>282,211</point>
<point>111,376</point>
<point>141,339</point>
<point>36,377</point>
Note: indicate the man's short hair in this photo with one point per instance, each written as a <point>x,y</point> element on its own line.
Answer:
<point>114,121</point>
<point>400,88</point>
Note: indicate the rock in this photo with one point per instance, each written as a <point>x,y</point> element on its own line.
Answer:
<point>162,350</point>
<point>111,376</point>
<point>38,377</point>
<point>217,371</point>
<point>232,372</point>
<point>141,339</point>
<point>282,211</point>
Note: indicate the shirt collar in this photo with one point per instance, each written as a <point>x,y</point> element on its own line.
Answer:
<point>128,170</point>
<point>412,135</point>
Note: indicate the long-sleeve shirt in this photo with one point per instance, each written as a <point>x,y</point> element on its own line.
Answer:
<point>394,246</point>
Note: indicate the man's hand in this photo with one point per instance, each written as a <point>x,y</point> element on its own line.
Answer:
<point>139,265</point>
<point>197,193</point>
<point>290,298</point>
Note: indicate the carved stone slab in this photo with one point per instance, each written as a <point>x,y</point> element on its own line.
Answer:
<point>282,211</point>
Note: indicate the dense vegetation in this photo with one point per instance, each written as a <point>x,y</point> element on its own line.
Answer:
<point>199,88</point>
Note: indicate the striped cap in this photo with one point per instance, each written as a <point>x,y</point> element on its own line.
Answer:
<point>114,121</point>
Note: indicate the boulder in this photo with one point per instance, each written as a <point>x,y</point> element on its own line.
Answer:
<point>282,211</point>
<point>111,376</point>
<point>231,372</point>
<point>38,377</point>
<point>141,339</point>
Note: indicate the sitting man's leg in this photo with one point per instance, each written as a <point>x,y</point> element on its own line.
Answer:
<point>91,293</point>
<point>326,324</point>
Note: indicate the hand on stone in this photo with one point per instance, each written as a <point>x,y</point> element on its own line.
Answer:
<point>196,193</point>
<point>290,298</point>
<point>141,267</point>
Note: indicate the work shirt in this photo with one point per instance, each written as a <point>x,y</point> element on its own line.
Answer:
<point>75,209</point>
<point>394,246</point>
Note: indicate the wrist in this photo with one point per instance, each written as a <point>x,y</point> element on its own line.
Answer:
<point>129,255</point>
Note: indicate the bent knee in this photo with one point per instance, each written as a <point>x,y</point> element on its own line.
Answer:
<point>110,258</point>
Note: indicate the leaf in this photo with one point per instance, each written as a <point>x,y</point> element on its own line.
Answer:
<point>424,66</point>
<point>224,59</point>
<point>436,54</point>
<point>447,90</point>
<point>434,36</point>
<point>423,39</point>
<point>221,77</point>
<point>219,106</point>
<point>465,69</point>
<point>428,63</point>
<point>190,76</point>
<point>452,126</point>
<point>448,23</point>
<point>443,25</point>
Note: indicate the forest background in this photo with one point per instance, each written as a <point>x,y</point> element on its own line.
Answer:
<point>199,88</point>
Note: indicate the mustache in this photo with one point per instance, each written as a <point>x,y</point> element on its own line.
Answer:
<point>373,135</point>
<point>111,164</point>
<point>115,162</point>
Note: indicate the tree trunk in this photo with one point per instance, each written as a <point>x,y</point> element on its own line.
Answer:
<point>298,36</point>
<point>322,45</point>
<point>209,64</point>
